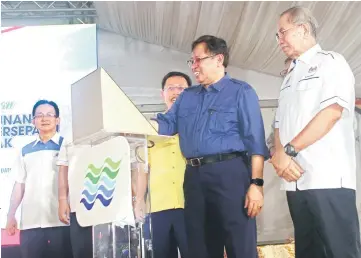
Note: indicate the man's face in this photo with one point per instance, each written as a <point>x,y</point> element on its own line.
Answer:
<point>205,64</point>
<point>290,36</point>
<point>173,87</point>
<point>45,119</point>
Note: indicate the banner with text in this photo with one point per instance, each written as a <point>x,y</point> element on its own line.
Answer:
<point>39,62</point>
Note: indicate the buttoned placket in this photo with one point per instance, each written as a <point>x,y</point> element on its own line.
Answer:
<point>293,75</point>
<point>197,128</point>
<point>174,176</point>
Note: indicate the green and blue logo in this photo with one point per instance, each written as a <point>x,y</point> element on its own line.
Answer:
<point>99,183</point>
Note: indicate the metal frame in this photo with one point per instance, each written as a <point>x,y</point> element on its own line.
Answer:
<point>268,103</point>
<point>157,108</point>
<point>73,11</point>
<point>151,108</point>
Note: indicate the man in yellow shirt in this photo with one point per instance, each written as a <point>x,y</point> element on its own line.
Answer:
<point>167,167</point>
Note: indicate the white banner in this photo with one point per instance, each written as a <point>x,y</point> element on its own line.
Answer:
<point>38,63</point>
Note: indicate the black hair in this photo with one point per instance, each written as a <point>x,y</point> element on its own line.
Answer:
<point>46,102</point>
<point>173,74</point>
<point>214,46</point>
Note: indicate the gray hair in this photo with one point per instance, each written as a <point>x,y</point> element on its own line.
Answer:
<point>302,15</point>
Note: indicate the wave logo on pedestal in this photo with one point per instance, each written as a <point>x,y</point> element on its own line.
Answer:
<point>99,184</point>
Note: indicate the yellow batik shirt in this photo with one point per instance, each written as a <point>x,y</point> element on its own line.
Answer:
<point>167,166</point>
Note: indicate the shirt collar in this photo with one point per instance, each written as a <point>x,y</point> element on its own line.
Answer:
<point>309,54</point>
<point>55,139</point>
<point>218,85</point>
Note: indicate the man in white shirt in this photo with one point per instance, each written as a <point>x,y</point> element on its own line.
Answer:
<point>81,237</point>
<point>42,235</point>
<point>315,144</point>
<point>270,139</point>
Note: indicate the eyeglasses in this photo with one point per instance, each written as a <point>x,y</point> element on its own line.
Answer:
<point>48,115</point>
<point>197,60</point>
<point>174,88</point>
<point>281,34</point>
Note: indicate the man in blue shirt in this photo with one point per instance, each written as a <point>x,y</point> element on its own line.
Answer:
<point>221,133</point>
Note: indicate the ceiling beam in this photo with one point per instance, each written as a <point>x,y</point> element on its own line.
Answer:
<point>74,11</point>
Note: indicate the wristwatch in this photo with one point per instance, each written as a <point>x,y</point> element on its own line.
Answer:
<point>257,181</point>
<point>290,150</point>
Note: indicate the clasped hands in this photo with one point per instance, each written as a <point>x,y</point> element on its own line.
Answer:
<point>286,167</point>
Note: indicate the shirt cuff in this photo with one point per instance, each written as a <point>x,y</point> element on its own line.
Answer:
<point>333,100</point>
<point>62,163</point>
<point>261,152</point>
<point>162,127</point>
<point>276,124</point>
<point>20,181</point>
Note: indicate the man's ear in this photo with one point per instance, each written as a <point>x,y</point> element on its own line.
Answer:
<point>220,59</point>
<point>306,30</point>
<point>162,94</point>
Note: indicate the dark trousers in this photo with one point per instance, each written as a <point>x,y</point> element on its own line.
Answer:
<point>326,223</point>
<point>214,210</point>
<point>168,230</point>
<point>81,239</point>
<point>51,242</point>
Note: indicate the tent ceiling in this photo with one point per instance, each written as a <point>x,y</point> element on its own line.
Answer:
<point>248,27</point>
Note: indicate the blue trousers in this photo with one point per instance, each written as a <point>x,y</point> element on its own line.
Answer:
<point>168,234</point>
<point>51,242</point>
<point>326,223</point>
<point>81,239</point>
<point>214,210</point>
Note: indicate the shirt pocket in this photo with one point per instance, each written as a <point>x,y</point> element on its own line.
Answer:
<point>307,95</point>
<point>309,83</point>
<point>308,89</point>
<point>222,119</point>
<point>186,119</point>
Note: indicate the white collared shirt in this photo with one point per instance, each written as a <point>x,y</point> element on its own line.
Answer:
<point>69,155</point>
<point>36,169</point>
<point>316,80</point>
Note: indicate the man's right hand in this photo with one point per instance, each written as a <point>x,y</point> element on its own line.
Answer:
<point>64,211</point>
<point>286,167</point>
<point>293,172</point>
<point>11,225</point>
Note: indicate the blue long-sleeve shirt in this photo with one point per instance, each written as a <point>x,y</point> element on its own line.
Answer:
<point>224,118</point>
